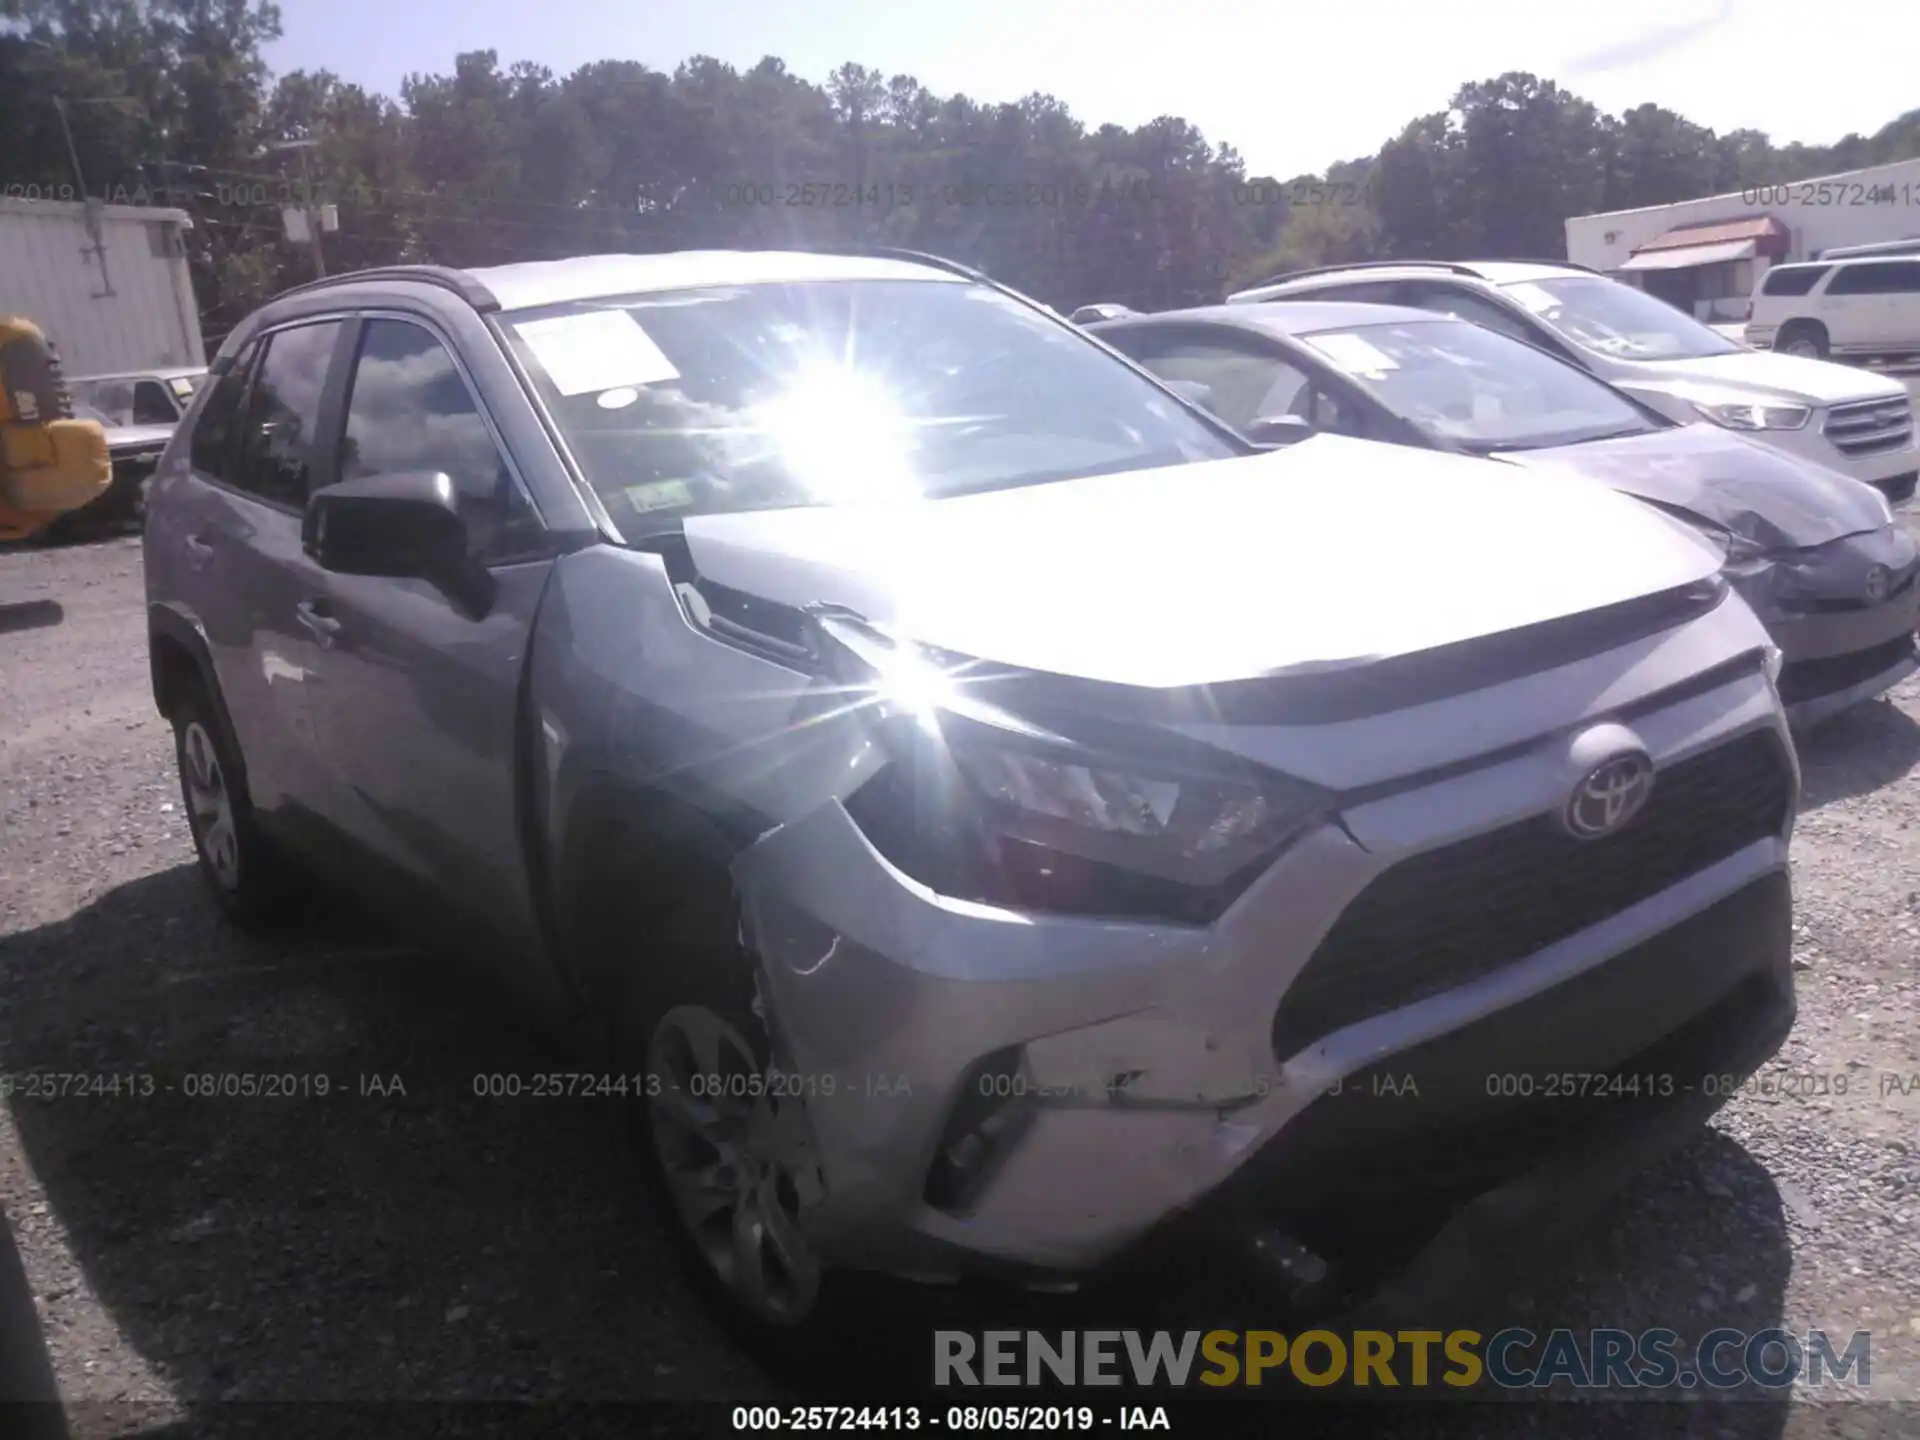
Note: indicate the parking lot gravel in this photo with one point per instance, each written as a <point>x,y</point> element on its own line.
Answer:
<point>403,1237</point>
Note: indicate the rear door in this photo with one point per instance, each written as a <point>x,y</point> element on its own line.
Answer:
<point>421,695</point>
<point>235,560</point>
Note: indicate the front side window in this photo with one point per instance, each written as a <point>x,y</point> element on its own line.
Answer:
<point>1477,388</point>
<point>1242,383</point>
<point>278,443</point>
<point>409,410</point>
<point>770,395</point>
<point>1616,320</point>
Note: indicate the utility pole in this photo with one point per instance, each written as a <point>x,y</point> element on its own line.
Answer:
<point>311,211</point>
<point>313,215</point>
<point>89,208</point>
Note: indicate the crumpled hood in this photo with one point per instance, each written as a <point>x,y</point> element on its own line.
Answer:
<point>1327,554</point>
<point>1753,489</point>
<point>1762,375</point>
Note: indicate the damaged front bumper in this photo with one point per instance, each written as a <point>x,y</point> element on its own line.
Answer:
<point>1844,615</point>
<point>1148,1059</point>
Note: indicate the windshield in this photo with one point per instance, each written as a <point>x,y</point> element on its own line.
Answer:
<point>1612,319</point>
<point>1477,387</point>
<point>765,396</point>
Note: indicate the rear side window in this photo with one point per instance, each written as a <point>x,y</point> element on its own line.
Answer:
<point>214,430</point>
<point>1890,277</point>
<point>1792,279</point>
<point>279,443</point>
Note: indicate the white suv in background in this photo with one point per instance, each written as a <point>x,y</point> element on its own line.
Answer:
<point>1866,308</point>
<point>1858,423</point>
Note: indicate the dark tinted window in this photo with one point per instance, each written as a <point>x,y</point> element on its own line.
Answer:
<point>1883,277</point>
<point>409,409</point>
<point>279,444</point>
<point>213,431</point>
<point>1792,279</point>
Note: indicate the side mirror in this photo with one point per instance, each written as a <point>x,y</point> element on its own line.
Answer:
<point>1276,430</point>
<point>404,526</point>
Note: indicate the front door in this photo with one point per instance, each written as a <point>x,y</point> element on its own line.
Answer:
<point>420,717</point>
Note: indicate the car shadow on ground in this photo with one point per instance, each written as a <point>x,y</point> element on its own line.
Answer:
<point>402,1236</point>
<point>1862,750</point>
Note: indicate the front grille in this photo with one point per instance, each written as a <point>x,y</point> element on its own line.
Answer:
<point>1810,679</point>
<point>1447,916</point>
<point>1866,427</point>
<point>1898,488</point>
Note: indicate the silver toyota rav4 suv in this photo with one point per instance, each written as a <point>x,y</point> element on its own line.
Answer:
<point>989,815</point>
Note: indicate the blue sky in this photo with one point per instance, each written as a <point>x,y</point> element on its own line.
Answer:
<point>1294,84</point>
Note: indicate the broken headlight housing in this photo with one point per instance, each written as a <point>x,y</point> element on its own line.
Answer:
<point>978,803</point>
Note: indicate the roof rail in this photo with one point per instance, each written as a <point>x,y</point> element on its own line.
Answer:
<point>1455,266</point>
<point>445,276</point>
<point>1530,260</point>
<point>888,252</point>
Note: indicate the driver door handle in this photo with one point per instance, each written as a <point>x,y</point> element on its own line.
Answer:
<point>319,623</point>
<point>199,552</point>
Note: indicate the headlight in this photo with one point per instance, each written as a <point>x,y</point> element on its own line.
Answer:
<point>1192,829</point>
<point>977,803</point>
<point>1744,416</point>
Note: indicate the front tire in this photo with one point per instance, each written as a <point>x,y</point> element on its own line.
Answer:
<point>726,1152</point>
<point>248,878</point>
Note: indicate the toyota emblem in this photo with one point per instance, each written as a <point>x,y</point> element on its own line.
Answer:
<point>1608,797</point>
<point>1876,586</point>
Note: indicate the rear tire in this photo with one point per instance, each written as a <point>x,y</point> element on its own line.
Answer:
<point>1805,338</point>
<point>249,878</point>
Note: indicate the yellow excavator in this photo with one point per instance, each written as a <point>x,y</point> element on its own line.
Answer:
<point>50,463</point>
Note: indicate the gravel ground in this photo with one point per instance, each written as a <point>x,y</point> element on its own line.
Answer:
<point>423,1243</point>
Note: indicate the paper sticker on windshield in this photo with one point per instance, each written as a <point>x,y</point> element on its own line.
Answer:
<point>659,495</point>
<point>598,350</point>
<point>1353,354</point>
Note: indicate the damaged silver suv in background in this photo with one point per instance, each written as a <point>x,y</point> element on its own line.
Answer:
<point>994,815</point>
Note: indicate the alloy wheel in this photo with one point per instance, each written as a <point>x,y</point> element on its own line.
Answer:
<point>212,806</point>
<point>736,1161</point>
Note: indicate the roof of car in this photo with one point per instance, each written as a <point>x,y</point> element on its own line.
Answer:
<point>585,277</point>
<point>1290,317</point>
<point>591,277</point>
